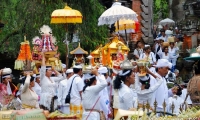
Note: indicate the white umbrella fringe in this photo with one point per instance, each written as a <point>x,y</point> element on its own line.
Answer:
<point>115,13</point>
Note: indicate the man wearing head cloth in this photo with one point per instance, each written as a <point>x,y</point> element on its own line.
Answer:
<point>62,88</point>
<point>76,90</point>
<point>104,100</point>
<point>161,95</point>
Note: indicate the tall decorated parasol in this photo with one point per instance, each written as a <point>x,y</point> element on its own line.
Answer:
<point>115,13</point>
<point>66,15</point>
<point>166,21</point>
<point>126,26</point>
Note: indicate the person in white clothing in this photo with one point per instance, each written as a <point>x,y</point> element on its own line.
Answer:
<point>29,98</point>
<point>62,91</point>
<point>48,98</point>
<point>104,100</point>
<point>37,87</point>
<point>158,48</point>
<point>139,50</point>
<point>149,56</point>
<point>64,69</point>
<point>76,84</point>
<point>173,54</point>
<point>165,53</point>
<point>176,100</point>
<point>126,96</point>
<point>162,68</point>
<point>91,97</point>
<point>184,95</point>
<point>144,90</point>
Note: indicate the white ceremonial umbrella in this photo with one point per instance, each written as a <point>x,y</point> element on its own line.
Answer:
<point>166,21</point>
<point>115,13</point>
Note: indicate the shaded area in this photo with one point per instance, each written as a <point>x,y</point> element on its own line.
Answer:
<point>1,25</point>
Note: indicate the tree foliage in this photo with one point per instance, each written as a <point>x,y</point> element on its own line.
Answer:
<point>27,16</point>
<point>160,9</point>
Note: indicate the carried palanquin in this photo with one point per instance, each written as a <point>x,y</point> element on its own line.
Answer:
<point>46,44</point>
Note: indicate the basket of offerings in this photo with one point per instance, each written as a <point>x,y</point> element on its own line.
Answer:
<point>142,64</point>
<point>60,116</point>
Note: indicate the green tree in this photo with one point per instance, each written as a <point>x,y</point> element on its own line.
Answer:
<point>27,16</point>
<point>160,9</point>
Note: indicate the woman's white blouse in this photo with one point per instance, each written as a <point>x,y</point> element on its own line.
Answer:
<point>151,58</point>
<point>29,97</point>
<point>91,94</point>
<point>177,101</point>
<point>173,52</point>
<point>126,98</point>
<point>165,56</point>
<point>146,94</point>
<point>48,87</point>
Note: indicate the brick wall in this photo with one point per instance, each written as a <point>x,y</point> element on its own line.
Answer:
<point>136,7</point>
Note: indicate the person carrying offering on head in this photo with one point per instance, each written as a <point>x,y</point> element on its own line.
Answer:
<point>48,86</point>
<point>29,97</point>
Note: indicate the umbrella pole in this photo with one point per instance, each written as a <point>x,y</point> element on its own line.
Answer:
<point>118,26</point>
<point>67,59</point>
<point>126,38</point>
<point>67,49</point>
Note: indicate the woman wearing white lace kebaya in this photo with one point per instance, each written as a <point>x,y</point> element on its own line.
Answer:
<point>48,98</point>
<point>126,96</point>
<point>90,95</point>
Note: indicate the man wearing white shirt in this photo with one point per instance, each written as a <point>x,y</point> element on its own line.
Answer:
<point>75,82</point>
<point>161,95</point>
<point>62,91</point>
<point>104,100</point>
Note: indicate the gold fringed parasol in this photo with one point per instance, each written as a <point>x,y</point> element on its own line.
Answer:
<point>66,15</point>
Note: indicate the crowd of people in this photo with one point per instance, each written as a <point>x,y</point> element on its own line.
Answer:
<point>99,94</point>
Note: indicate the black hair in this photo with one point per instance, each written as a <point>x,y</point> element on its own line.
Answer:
<point>146,83</point>
<point>32,78</point>
<point>179,90</point>
<point>146,48</point>
<point>139,41</point>
<point>105,74</point>
<point>119,78</point>
<point>23,80</point>
<point>197,68</point>
<point>165,48</point>
<point>89,82</point>
<point>76,70</point>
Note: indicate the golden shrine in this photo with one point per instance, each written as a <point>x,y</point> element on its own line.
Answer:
<point>46,44</point>
<point>97,56</point>
<point>111,55</point>
<point>79,55</point>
